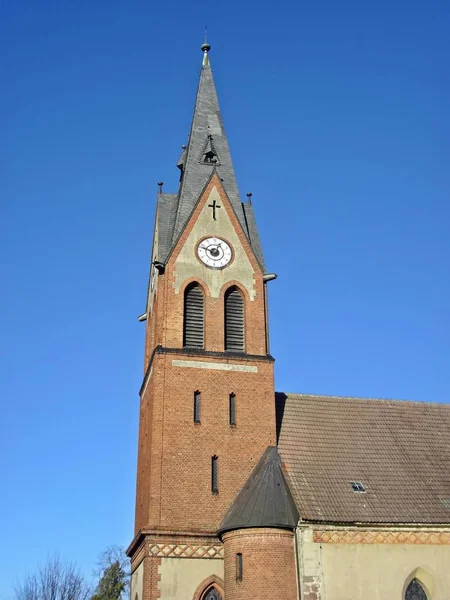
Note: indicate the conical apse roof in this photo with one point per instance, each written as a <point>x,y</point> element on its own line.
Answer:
<point>265,500</point>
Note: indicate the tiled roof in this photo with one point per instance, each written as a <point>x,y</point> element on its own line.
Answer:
<point>264,500</point>
<point>207,133</point>
<point>399,451</point>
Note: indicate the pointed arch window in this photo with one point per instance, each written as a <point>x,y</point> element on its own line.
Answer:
<point>194,317</point>
<point>234,320</point>
<point>212,594</point>
<point>415,591</point>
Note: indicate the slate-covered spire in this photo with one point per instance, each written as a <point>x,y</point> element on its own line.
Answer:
<point>207,149</point>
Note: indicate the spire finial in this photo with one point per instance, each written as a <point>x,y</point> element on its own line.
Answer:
<point>206,48</point>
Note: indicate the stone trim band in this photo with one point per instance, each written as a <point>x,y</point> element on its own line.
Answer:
<point>197,364</point>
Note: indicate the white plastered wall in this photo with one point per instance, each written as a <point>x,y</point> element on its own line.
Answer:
<point>137,580</point>
<point>375,571</point>
<point>180,577</point>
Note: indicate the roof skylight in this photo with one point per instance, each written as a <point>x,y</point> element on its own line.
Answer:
<point>357,487</point>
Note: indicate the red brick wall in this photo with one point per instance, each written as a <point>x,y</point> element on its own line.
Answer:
<point>165,327</point>
<point>174,479</point>
<point>268,560</point>
<point>150,589</point>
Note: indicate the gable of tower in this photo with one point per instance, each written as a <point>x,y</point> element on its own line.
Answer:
<point>214,216</point>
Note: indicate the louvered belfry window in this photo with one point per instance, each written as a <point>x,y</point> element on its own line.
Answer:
<point>194,311</point>
<point>234,320</point>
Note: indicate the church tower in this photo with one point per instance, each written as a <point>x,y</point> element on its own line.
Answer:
<point>207,410</point>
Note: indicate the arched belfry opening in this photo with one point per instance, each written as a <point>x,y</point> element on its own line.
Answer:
<point>194,317</point>
<point>234,320</point>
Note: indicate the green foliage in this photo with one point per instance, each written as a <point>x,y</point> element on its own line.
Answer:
<point>114,575</point>
<point>112,584</point>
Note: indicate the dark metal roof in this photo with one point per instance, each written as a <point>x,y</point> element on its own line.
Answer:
<point>207,126</point>
<point>207,134</point>
<point>265,499</point>
<point>399,451</point>
<point>166,210</point>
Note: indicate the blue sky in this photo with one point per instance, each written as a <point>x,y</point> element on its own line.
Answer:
<point>338,122</point>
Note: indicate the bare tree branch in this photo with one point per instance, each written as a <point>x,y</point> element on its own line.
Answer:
<point>55,580</point>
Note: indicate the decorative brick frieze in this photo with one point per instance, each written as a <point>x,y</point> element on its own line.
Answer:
<point>185,551</point>
<point>382,537</point>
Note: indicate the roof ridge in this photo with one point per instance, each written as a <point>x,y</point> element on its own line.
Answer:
<point>368,398</point>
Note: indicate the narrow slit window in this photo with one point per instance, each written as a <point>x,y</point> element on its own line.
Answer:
<point>215,474</point>
<point>194,317</point>
<point>239,569</point>
<point>234,320</point>
<point>232,407</point>
<point>197,406</point>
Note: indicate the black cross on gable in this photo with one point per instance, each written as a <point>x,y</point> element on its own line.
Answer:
<point>214,206</point>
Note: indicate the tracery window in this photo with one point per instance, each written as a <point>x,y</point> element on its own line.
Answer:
<point>415,591</point>
<point>212,594</point>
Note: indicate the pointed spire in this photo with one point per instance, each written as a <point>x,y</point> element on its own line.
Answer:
<point>205,49</point>
<point>207,149</point>
<point>205,153</point>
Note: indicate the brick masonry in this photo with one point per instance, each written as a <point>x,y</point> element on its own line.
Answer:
<point>174,465</point>
<point>174,499</point>
<point>268,564</point>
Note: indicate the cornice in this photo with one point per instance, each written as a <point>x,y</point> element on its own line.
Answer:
<point>196,352</point>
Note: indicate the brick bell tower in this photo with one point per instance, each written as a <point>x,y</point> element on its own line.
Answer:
<point>207,411</point>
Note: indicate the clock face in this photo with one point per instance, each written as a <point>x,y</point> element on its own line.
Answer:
<point>214,252</point>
